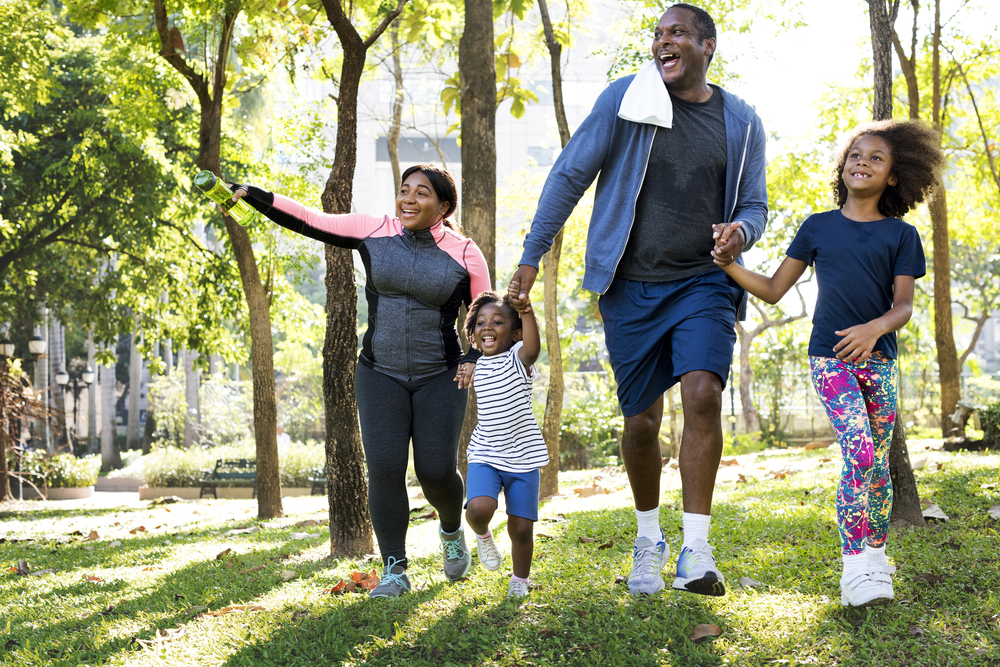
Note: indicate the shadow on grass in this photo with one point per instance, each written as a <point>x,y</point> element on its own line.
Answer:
<point>81,621</point>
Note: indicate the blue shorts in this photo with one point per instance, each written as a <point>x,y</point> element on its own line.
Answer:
<point>520,489</point>
<point>657,332</point>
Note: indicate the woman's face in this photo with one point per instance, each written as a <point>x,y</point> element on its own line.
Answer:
<point>417,205</point>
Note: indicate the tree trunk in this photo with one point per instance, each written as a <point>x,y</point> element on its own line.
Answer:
<point>134,390</point>
<point>265,408</point>
<point>881,22</point>
<point>397,106</point>
<point>111,458</point>
<point>347,484</point>
<point>750,423</point>
<point>93,445</point>
<point>192,383</point>
<point>477,71</point>
<point>552,424</point>
<point>905,498</point>
<point>56,354</point>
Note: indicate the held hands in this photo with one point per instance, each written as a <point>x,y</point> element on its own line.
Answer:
<point>858,342</point>
<point>728,245</point>
<point>518,297</point>
<point>521,282</point>
<point>465,374</point>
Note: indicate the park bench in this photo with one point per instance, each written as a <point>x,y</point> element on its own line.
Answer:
<point>318,481</point>
<point>229,472</point>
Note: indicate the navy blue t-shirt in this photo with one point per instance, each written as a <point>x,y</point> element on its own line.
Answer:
<point>856,264</point>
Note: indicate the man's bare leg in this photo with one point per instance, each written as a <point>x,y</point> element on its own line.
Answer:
<point>701,441</point>
<point>641,451</point>
<point>701,450</point>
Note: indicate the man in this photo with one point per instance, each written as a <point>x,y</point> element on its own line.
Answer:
<point>680,163</point>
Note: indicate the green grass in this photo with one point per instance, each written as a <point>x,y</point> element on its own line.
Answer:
<point>778,531</point>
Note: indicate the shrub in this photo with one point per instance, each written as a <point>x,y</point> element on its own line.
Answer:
<point>174,466</point>
<point>741,443</point>
<point>989,419</point>
<point>61,471</point>
<point>594,420</point>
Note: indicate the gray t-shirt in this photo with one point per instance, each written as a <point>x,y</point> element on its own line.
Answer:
<point>682,196</point>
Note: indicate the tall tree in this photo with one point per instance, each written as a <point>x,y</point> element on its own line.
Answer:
<point>210,87</point>
<point>905,496</point>
<point>949,369</point>
<point>347,485</point>
<point>552,424</point>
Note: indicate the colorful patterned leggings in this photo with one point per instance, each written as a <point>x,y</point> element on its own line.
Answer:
<point>860,399</point>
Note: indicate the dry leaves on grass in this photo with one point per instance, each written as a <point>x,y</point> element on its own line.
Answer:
<point>936,513</point>
<point>817,445</point>
<point>747,582</point>
<point>588,491</point>
<point>231,610</point>
<point>288,575</point>
<point>729,462</point>
<point>703,631</point>
<point>358,583</point>
<point>995,512</point>
<point>929,578</point>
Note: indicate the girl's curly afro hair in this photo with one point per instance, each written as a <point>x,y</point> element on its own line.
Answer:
<point>916,160</point>
<point>480,301</point>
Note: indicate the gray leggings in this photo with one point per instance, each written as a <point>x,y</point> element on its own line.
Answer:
<point>393,413</point>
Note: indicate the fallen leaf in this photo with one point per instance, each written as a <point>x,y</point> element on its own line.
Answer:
<point>42,573</point>
<point>917,631</point>
<point>621,579</point>
<point>929,578</point>
<point>545,632</point>
<point>587,539</point>
<point>817,445</point>
<point>243,531</point>
<point>93,536</point>
<point>288,575</point>
<point>674,465</point>
<point>194,611</point>
<point>543,536</point>
<point>703,631</point>
<point>94,578</point>
<point>435,652</point>
<point>22,568</point>
<point>116,543</point>
<point>337,588</point>
<point>825,460</point>
<point>607,545</point>
<point>150,568</point>
<point>581,613</point>
<point>919,464</point>
<point>747,582</point>
<point>995,512</point>
<point>253,569</point>
<point>585,492</point>
<point>729,462</point>
<point>223,554</point>
<point>940,466</point>
<point>140,529</point>
<point>307,523</point>
<point>741,479</point>
<point>429,516</point>
<point>935,512</point>
<point>300,536</point>
<point>926,502</point>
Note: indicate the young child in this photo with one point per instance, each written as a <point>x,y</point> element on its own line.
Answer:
<point>867,261</point>
<point>507,448</point>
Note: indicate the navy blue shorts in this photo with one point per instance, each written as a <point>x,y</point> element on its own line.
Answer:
<point>520,489</point>
<point>657,332</point>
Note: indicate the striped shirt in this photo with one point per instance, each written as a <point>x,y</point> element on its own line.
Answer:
<point>507,436</point>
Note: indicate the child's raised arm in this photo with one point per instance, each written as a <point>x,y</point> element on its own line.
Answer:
<point>531,341</point>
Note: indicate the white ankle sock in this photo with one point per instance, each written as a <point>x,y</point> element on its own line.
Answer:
<point>876,556</point>
<point>695,527</point>
<point>649,524</point>
<point>854,565</point>
<point>514,577</point>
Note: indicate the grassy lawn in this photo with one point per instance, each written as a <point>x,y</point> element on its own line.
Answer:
<point>180,588</point>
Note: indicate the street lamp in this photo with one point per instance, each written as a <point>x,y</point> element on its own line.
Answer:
<point>6,347</point>
<point>63,380</point>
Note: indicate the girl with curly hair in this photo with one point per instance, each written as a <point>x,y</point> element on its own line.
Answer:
<point>506,449</point>
<point>867,261</point>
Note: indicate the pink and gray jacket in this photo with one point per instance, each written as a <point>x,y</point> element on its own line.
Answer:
<point>416,282</point>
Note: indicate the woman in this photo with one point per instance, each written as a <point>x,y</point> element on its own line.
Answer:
<point>420,271</point>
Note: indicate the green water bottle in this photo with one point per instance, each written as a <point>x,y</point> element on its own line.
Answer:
<point>219,192</point>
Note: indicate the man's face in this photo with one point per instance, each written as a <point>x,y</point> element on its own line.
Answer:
<point>680,55</point>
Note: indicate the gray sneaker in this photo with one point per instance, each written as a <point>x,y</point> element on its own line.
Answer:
<point>394,581</point>
<point>648,558</point>
<point>457,559</point>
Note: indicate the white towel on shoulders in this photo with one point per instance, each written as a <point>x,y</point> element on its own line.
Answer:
<point>647,100</point>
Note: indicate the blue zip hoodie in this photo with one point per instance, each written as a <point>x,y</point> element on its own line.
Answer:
<point>619,149</point>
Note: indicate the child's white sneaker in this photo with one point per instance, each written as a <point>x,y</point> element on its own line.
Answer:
<point>517,589</point>
<point>489,554</point>
<point>863,591</point>
<point>882,575</point>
